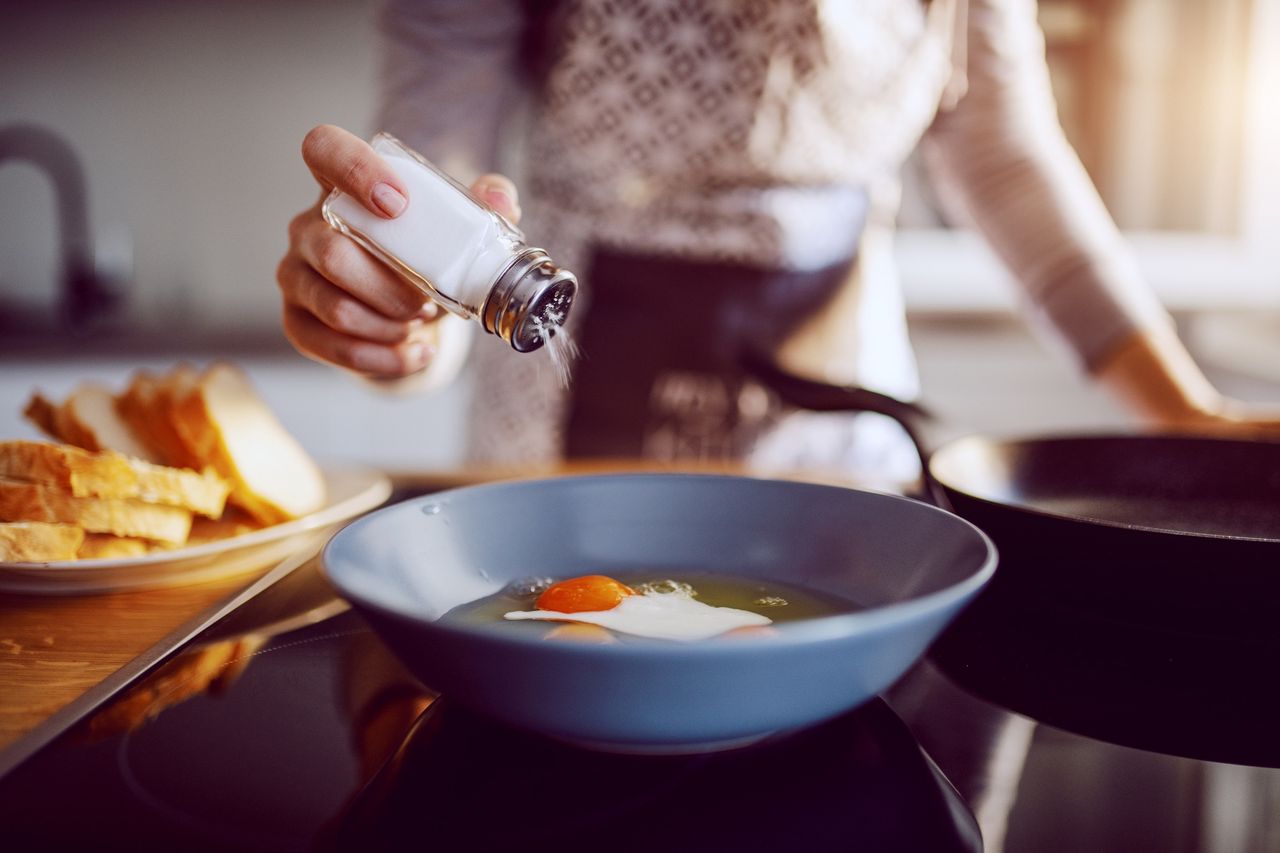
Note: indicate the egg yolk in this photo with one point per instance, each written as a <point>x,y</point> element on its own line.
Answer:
<point>589,592</point>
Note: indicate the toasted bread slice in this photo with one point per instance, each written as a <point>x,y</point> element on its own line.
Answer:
<point>89,419</point>
<point>71,469</point>
<point>44,414</point>
<point>104,546</point>
<point>205,493</point>
<point>110,475</point>
<point>38,542</point>
<point>21,501</point>
<point>145,407</point>
<point>174,387</point>
<point>231,429</point>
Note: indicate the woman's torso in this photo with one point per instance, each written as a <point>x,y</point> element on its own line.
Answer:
<point>734,134</point>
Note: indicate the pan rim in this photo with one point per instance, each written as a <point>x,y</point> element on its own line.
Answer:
<point>1088,437</point>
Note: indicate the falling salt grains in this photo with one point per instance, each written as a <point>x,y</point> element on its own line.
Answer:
<point>559,345</point>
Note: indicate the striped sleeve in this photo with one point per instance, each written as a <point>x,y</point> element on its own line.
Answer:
<point>1002,157</point>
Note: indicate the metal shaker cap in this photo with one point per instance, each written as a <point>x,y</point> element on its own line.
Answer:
<point>530,301</point>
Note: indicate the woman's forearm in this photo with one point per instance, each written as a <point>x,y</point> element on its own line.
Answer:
<point>1002,158</point>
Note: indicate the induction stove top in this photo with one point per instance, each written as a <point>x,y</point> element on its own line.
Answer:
<point>288,726</point>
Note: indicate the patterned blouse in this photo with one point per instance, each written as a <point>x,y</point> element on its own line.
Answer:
<point>740,131</point>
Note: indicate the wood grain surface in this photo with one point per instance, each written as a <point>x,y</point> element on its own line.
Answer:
<point>54,649</point>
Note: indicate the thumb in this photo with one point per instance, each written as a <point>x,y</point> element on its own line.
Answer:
<point>499,193</point>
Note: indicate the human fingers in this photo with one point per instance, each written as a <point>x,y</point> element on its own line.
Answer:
<point>302,286</point>
<point>342,262</point>
<point>317,341</point>
<point>1251,420</point>
<point>499,192</point>
<point>1232,419</point>
<point>340,159</point>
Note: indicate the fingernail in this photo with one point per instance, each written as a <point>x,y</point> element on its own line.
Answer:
<point>428,312</point>
<point>499,198</point>
<point>421,353</point>
<point>389,200</point>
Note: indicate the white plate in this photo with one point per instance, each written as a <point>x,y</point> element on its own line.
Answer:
<point>351,490</point>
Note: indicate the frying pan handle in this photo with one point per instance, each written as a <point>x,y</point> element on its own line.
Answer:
<point>927,433</point>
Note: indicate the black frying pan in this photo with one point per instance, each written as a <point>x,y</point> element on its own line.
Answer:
<point>1175,533</point>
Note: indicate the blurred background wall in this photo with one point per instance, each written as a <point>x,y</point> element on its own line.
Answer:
<point>188,117</point>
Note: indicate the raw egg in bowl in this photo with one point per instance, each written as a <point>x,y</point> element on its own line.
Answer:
<point>659,612</point>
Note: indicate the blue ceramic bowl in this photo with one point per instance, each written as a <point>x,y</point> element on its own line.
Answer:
<point>911,567</point>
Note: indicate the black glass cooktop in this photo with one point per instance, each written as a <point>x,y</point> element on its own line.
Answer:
<point>288,726</point>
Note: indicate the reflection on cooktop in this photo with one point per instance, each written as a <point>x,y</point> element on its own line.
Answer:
<point>275,731</point>
<point>257,774</point>
<point>290,756</point>
<point>1180,692</point>
<point>254,754</point>
<point>857,782</point>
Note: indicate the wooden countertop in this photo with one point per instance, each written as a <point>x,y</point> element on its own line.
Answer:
<point>61,656</point>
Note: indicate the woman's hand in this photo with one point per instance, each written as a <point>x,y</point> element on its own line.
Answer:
<point>1237,419</point>
<point>342,306</point>
<point>1154,374</point>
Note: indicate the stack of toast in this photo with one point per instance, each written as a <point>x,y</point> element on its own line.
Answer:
<point>180,458</point>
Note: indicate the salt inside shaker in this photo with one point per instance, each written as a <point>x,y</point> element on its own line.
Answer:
<point>462,254</point>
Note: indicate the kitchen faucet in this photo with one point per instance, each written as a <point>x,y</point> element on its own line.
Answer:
<point>86,294</point>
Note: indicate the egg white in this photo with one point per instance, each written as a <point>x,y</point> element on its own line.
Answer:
<point>662,616</point>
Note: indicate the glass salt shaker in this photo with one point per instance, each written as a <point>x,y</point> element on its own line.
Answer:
<point>462,254</point>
